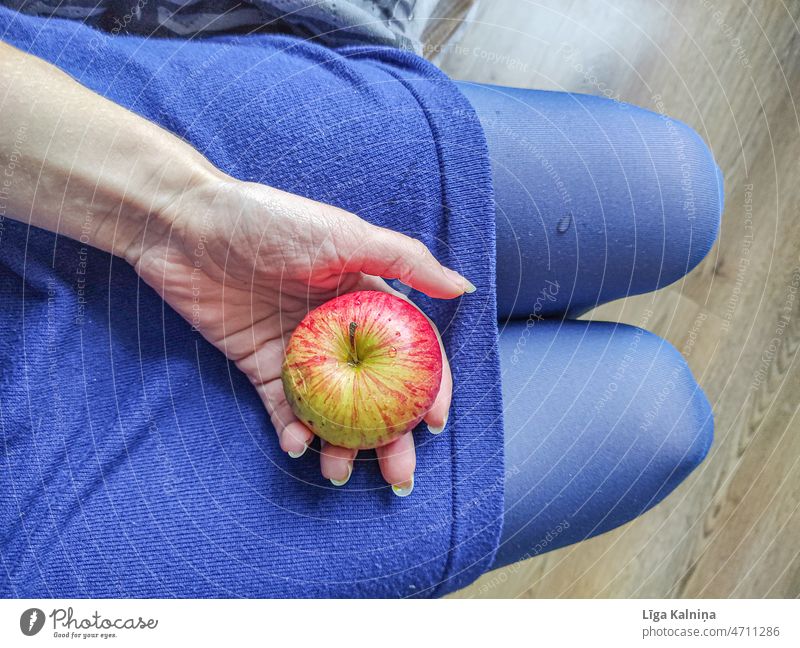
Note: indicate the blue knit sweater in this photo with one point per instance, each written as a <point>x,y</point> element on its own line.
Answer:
<point>134,459</point>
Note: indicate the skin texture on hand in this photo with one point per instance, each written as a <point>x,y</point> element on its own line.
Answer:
<point>244,263</point>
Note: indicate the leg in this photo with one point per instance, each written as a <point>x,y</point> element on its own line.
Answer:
<point>602,421</point>
<point>599,198</point>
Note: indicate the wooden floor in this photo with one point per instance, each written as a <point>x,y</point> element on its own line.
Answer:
<point>732,70</point>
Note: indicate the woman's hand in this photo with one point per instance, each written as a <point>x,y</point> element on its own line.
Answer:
<point>244,263</point>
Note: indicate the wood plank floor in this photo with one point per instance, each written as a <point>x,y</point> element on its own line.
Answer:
<point>731,69</point>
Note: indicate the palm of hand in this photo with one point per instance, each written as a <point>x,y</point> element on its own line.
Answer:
<point>245,274</point>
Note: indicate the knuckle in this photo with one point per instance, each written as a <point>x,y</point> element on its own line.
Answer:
<point>421,252</point>
<point>406,265</point>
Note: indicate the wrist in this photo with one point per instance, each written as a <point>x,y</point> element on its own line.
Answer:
<point>164,200</point>
<point>90,169</point>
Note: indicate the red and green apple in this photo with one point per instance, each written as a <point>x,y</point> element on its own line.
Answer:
<point>362,369</point>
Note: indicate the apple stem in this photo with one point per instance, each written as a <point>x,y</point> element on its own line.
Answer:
<point>353,354</point>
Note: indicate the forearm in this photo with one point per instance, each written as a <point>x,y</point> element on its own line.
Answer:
<point>79,165</point>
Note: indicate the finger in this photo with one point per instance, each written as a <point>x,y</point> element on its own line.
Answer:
<point>359,246</point>
<point>336,463</point>
<point>436,418</point>
<point>384,253</point>
<point>398,460</point>
<point>294,437</point>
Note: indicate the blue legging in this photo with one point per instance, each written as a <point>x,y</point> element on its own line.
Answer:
<point>595,200</point>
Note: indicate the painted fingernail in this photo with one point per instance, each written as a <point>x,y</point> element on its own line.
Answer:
<point>404,489</point>
<point>342,482</point>
<point>297,455</point>
<point>438,430</point>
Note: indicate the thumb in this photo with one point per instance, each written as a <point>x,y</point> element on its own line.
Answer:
<point>384,253</point>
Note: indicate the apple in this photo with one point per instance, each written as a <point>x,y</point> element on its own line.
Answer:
<point>362,369</point>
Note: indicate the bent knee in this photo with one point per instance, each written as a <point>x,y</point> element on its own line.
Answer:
<point>671,413</point>
<point>689,187</point>
<point>603,421</point>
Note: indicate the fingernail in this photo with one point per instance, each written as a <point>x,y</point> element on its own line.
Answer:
<point>438,430</point>
<point>460,279</point>
<point>297,455</point>
<point>404,489</point>
<point>342,482</point>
